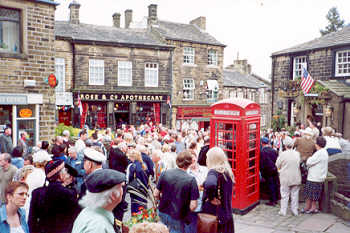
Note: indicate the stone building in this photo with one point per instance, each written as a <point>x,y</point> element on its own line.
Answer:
<point>240,82</point>
<point>197,69</point>
<point>27,55</point>
<point>327,60</point>
<point>121,75</point>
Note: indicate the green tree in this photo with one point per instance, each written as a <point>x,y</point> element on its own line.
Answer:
<point>335,23</point>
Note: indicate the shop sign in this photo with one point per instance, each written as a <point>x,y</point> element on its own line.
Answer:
<point>25,112</point>
<point>226,112</point>
<point>52,80</point>
<point>193,112</point>
<point>252,112</point>
<point>9,99</point>
<point>123,97</point>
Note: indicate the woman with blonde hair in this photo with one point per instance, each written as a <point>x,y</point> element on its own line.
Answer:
<point>218,186</point>
<point>137,170</point>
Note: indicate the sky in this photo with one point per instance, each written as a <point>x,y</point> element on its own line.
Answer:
<point>251,29</point>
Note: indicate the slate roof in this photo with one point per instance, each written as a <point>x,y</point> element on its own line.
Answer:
<point>338,38</point>
<point>109,34</point>
<point>340,88</point>
<point>233,78</point>
<point>51,2</point>
<point>184,32</point>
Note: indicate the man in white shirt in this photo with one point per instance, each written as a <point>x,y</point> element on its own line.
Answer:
<point>80,144</point>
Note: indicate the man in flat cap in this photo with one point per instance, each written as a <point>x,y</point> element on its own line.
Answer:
<point>104,193</point>
<point>92,161</point>
<point>54,208</point>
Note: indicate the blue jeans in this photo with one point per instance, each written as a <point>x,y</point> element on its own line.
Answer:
<point>174,226</point>
<point>192,226</point>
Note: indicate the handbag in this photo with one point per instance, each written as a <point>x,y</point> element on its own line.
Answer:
<point>303,172</point>
<point>208,223</point>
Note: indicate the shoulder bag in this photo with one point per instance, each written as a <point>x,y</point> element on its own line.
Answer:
<point>208,223</point>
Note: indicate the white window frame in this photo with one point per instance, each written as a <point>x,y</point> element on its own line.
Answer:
<point>125,73</point>
<point>298,64</point>
<point>262,97</point>
<point>96,72</point>
<point>212,57</point>
<point>60,73</point>
<point>151,74</point>
<point>342,63</point>
<point>232,94</point>
<point>10,32</point>
<point>189,54</point>
<point>188,87</point>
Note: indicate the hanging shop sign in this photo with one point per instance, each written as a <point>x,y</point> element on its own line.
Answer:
<point>52,80</point>
<point>25,112</point>
<point>123,97</point>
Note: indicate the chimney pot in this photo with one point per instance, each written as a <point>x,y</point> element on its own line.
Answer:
<point>199,22</point>
<point>74,12</point>
<point>116,20</point>
<point>128,18</point>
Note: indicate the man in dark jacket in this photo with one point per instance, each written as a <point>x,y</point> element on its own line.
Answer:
<point>268,170</point>
<point>202,157</point>
<point>6,145</point>
<point>53,208</point>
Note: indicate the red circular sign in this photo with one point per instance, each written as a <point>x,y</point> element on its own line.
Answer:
<point>52,80</point>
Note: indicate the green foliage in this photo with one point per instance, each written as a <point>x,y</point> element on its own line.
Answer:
<point>61,127</point>
<point>278,121</point>
<point>335,23</point>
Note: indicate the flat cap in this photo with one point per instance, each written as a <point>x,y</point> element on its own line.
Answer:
<point>103,179</point>
<point>265,140</point>
<point>94,155</point>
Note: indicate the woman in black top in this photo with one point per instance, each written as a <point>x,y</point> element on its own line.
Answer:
<point>217,198</point>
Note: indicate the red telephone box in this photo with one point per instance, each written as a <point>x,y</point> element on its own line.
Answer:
<point>235,127</point>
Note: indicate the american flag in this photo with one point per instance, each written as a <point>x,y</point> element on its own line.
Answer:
<point>306,81</point>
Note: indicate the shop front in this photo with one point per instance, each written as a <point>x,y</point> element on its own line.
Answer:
<point>193,117</point>
<point>115,109</point>
<point>21,113</point>
<point>64,107</point>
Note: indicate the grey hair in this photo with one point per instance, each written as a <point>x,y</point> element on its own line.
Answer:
<point>96,200</point>
<point>66,133</point>
<point>72,149</point>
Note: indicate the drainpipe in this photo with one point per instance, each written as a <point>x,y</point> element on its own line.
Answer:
<point>171,86</point>
<point>272,86</point>
<point>73,65</point>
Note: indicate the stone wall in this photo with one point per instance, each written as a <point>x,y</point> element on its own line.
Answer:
<point>198,71</point>
<point>111,56</point>
<point>339,165</point>
<point>36,62</point>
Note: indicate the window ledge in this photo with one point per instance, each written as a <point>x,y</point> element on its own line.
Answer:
<point>213,66</point>
<point>13,55</point>
<point>190,65</point>
<point>187,99</point>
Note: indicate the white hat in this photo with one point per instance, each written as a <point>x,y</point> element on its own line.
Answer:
<point>94,155</point>
<point>288,141</point>
<point>308,131</point>
<point>41,156</point>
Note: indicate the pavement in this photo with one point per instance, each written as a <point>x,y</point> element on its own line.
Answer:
<point>265,219</point>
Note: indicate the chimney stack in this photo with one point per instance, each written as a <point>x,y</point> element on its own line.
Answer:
<point>128,18</point>
<point>116,20</point>
<point>199,22</point>
<point>152,14</point>
<point>74,12</point>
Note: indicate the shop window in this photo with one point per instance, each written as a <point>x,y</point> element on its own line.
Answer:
<point>96,72</point>
<point>124,73</point>
<point>342,63</point>
<point>188,89</point>
<point>10,30</point>
<point>27,121</point>
<point>298,64</point>
<point>60,74</point>
<point>151,75</point>
<point>212,57</point>
<point>188,55</point>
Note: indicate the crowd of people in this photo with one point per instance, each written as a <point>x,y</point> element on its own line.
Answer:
<point>80,185</point>
<point>286,162</point>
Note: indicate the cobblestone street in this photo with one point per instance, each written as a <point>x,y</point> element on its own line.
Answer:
<point>265,219</point>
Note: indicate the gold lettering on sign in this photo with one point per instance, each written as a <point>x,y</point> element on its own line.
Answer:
<point>87,97</point>
<point>148,97</point>
<point>152,97</point>
<point>122,98</point>
<point>96,97</point>
<point>81,96</point>
<point>144,98</point>
<point>131,98</point>
<point>161,97</point>
<point>111,97</point>
<point>140,97</point>
<point>104,97</point>
<point>156,97</point>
